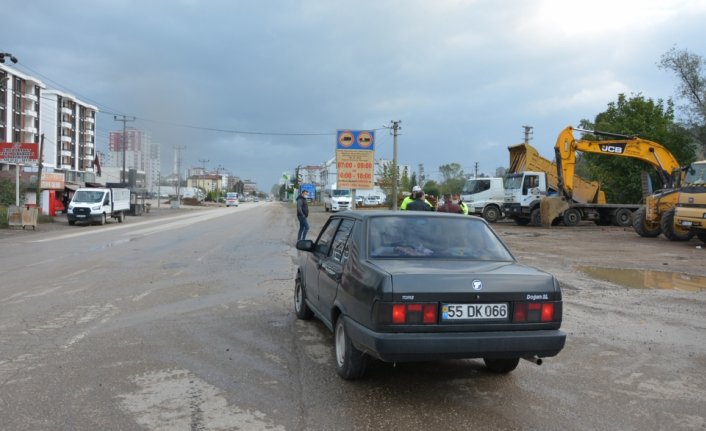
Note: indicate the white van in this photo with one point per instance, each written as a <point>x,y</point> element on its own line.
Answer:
<point>232,199</point>
<point>484,197</point>
<point>336,199</point>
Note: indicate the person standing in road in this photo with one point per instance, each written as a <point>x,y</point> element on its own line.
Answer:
<point>456,198</point>
<point>450,206</point>
<point>302,214</point>
<point>419,203</point>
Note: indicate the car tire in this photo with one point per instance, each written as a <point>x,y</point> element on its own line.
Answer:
<point>501,365</point>
<point>102,221</point>
<point>702,236</point>
<point>121,217</point>
<point>622,217</point>
<point>72,222</point>
<point>491,213</point>
<point>301,309</point>
<point>350,362</point>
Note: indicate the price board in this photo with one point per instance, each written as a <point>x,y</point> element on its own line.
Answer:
<point>355,159</point>
<point>18,153</point>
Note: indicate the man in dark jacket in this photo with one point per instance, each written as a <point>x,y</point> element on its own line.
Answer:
<point>302,214</point>
<point>419,203</point>
<point>450,205</point>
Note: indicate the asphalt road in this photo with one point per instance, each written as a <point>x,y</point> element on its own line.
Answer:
<point>184,321</point>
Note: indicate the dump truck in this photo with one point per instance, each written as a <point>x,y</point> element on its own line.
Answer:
<point>532,178</point>
<point>97,204</point>
<point>690,212</point>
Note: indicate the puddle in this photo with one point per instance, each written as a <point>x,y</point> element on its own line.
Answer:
<point>646,279</point>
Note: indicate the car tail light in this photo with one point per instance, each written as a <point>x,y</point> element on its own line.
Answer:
<point>528,312</point>
<point>414,313</point>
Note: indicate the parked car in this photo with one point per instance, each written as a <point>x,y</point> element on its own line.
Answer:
<point>415,286</point>
<point>359,200</point>
<point>373,200</point>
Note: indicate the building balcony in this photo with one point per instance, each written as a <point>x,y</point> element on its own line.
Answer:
<point>30,96</point>
<point>66,153</point>
<point>88,132</point>
<point>67,125</point>
<point>66,139</point>
<point>29,129</point>
<point>67,111</point>
<point>30,113</point>
<point>89,120</point>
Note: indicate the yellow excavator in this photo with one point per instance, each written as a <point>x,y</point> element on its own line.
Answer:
<point>691,208</point>
<point>657,216</point>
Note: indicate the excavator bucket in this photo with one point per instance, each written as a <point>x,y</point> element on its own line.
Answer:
<point>550,208</point>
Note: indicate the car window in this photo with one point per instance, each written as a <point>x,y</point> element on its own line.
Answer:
<point>340,242</point>
<point>323,244</point>
<point>434,237</point>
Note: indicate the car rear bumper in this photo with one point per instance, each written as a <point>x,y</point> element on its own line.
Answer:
<point>408,347</point>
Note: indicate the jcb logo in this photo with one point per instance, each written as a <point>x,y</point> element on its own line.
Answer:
<point>615,149</point>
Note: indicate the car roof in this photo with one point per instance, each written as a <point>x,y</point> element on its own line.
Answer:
<point>365,215</point>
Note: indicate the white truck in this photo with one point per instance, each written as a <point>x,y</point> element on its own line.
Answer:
<point>336,199</point>
<point>97,204</point>
<point>484,197</point>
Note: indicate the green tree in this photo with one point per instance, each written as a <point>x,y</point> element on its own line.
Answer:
<point>7,192</point>
<point>689,69</point>
<point>452,178</point>
<point>432,188</point>
<point>649,119</point>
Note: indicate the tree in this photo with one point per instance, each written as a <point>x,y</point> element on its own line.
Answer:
<point>431,188</point>
<point>8,192</point>
<point>620,176</point>
<point>404,180</point>
<point>689,69</point>
<point>452,178</point>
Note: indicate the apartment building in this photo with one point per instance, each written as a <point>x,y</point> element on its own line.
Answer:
<point>69,128</point>
<point>141,154</point>
<point>20,96</point>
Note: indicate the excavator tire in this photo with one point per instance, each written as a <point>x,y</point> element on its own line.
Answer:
<point>640,226</point>
<point>702,236</point>
<point>670,230</point>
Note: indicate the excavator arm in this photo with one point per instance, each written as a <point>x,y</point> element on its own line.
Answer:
<point>634,147</point>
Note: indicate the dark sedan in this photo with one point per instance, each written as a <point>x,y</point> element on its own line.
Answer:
<point>415,286</point>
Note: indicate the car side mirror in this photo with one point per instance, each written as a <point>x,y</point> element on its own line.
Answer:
<point>305,245</point>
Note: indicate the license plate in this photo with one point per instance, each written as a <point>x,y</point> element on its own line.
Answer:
<point>474,311</point>
<point>80,216</point>
<point>686,223</point>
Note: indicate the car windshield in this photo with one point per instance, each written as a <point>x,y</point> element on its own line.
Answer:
<point>341,192</point>
<point>88,196</point>
<point>462,238</point>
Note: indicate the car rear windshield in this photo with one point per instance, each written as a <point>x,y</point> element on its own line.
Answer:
<point>434,237</point>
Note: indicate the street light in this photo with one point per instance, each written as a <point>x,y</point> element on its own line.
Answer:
<point>7,54</point>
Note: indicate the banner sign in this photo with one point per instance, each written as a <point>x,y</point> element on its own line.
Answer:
<point>355,159</point>
<point>52,181</point>
<point>18,153</point>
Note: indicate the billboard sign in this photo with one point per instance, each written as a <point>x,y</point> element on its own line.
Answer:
<point>355,159</point>
<point>309,188</point>
<point>18,153</point>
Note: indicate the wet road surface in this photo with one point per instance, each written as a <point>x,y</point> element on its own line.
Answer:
<point>186,322</point>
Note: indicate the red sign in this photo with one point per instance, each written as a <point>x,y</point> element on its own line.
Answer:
<point>18,153</point>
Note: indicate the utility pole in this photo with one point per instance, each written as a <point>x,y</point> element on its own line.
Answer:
<point>38,200</point>
<point>124,119</point>
<point>476,170</point>
<point>528,133</point>
<point>203,174</point>
<point>395,174</point>
<point>178,173</point>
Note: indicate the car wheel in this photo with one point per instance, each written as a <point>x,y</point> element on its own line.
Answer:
<point>102,222</point>
<point>121,217</point>
<point>72,222</point>
<point>501,365</point>
<point>350,362</point>
<point>702,236</point>
<point>572,217</point>
<point>300,308</point>
<point>622,217</point>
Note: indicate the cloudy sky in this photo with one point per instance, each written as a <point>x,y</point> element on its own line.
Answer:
<point>266,83</point>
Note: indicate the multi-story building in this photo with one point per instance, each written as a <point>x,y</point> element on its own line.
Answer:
<point>20,96</point>
<point>140,154</point>
<point>69,128</point>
